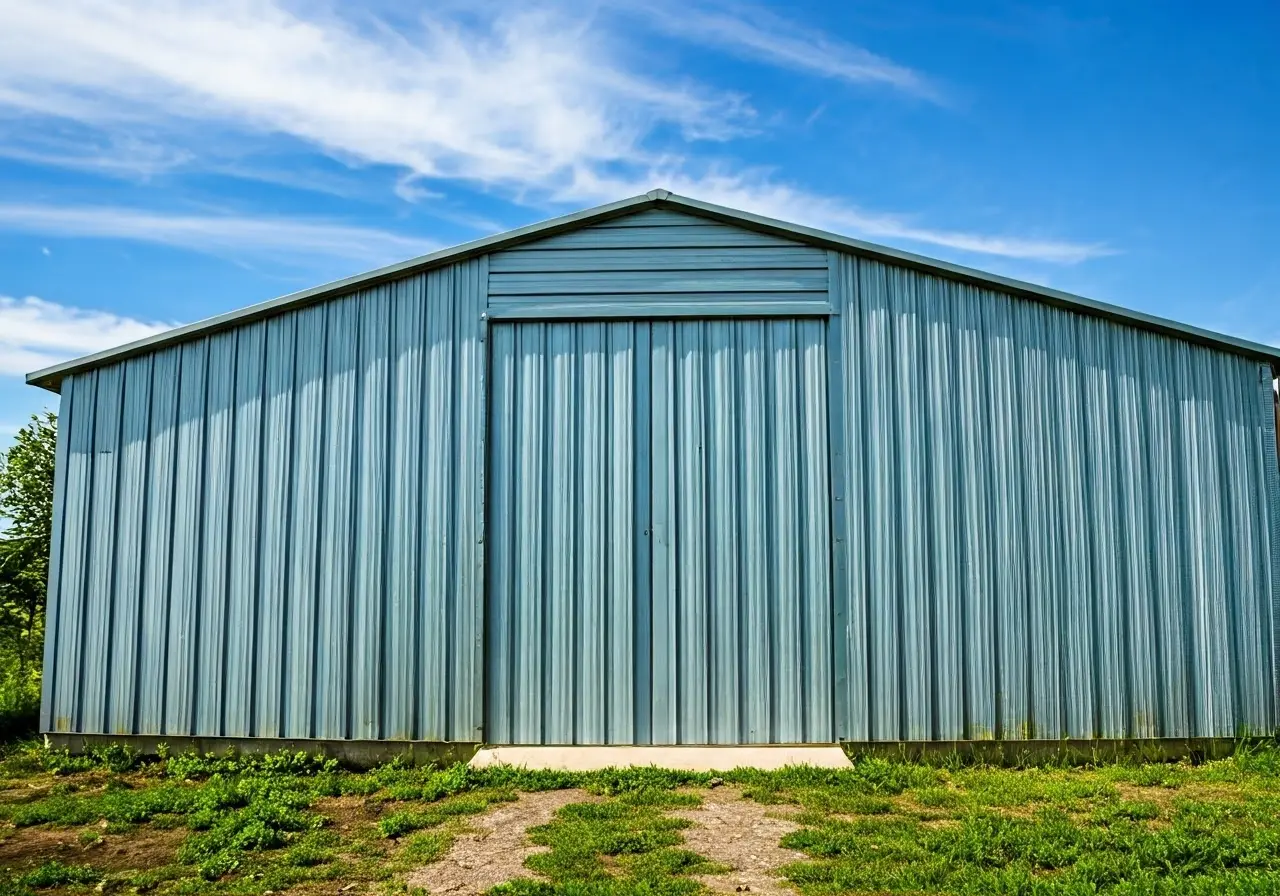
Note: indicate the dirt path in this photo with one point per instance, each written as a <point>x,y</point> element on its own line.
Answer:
<point>496,852</point>
<point>729,830</point>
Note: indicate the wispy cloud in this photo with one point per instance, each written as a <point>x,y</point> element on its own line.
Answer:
<point>756,192</point>
<point>118,155</point>
<point>509,103</point>
<point>215,233</point>
<point>536,106</point>
<point>758,34</point>
<point>35,333</point>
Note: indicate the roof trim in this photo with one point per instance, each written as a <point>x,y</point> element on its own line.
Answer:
<point>51,377</point>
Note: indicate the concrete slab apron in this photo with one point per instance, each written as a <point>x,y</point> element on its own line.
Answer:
<point>684,758</point>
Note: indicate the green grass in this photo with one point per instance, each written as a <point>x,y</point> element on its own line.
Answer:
<point>618,847</point>
<point>246,826</point>
<point>1113,829</point>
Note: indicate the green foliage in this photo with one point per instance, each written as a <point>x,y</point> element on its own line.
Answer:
<point>56,874</point>
<point>26,502</point>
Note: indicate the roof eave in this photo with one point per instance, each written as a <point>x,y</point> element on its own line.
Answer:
<point>1069,301</point>
<point>51,377</point>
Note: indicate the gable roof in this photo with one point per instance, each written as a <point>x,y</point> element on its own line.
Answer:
<point>51,377</point>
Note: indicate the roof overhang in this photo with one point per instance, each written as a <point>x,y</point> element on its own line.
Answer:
<point>51,377</point>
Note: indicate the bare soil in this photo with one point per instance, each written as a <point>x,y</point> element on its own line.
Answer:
<point>495,851</point>
<point>143,848</point>
<point>743,835</point>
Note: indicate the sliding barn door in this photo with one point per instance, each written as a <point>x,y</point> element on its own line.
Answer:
<point>658,543</point>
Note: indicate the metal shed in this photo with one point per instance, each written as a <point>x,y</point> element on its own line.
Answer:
<point>665,472</point>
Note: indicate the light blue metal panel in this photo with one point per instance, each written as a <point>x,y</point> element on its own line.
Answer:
<point>785,553</point>
<point>371,502</point>
<point>306,494</point>
<point>408,358</point>
<point>1245,490</point>
<point>703,235</point>
<point>723,511</point>
<point>243,616</point>
<point>1092,490</point>
<point>1268,519</point>
<point>1042,394</point>
<point>814,651</point>
<point>662,264</point>
<point>101,560</point>
<point>1165,536</point>
<point>752,279</point>
<point>534,260</point>
<point>276,538</point>
<point>130,539</point>
<point>437,484</point>
<point>1136,582</point>
<point>849,567</point>
<point>663,508</point>
<point>941,393</point>
<point>1070,616</point>
<point>593,660</point>
<point>711,595</point>
<point>66,413</point>
<point>335,608</point>
<point>1008,547</point>
<point>1109,716</point>
<point>643,306</point>
<point>910,445</point>
<point>276,530</point>
<point>184,575</point>
<point>465,685</point>
<point>215,559</point>
<point>621,576</point>
<point>75,536</point>
<point>153,641</point>
<point>969,457</point>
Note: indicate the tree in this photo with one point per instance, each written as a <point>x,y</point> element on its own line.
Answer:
<point>26,500</point>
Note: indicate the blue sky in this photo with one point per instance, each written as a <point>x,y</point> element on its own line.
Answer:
<point>161,162</point>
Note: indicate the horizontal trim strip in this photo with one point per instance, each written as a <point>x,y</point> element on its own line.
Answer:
<point>693,236</point>
<point>519,261</point>
<point>658,283</point>
<point>649,310</point>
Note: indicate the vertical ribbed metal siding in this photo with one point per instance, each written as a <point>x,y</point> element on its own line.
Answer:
<point>275,530</point>
<point>1269,506</point>
<point>1054,522</point>
<point>659,568</point>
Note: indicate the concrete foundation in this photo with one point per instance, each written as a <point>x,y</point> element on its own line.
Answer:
<point>1024,753</point>
<point>684,758</point>
<point>357,754</point>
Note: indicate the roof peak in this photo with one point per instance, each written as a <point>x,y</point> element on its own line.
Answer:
<point>658,194</point>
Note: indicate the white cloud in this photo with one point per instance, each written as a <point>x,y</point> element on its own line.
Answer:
<point>533,106</point>
<point>121,155</point>
<point>35,333</point>
<point>755,192</point>
<point>508,104</point>
<point>757,34</point>
<point>215,233</point>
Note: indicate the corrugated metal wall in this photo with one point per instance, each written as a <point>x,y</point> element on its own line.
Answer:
<point>1056,526</point>
<point>659,565</point>
<point>658,262</point>
<point>1045,524</point>
<point>276,530</point>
